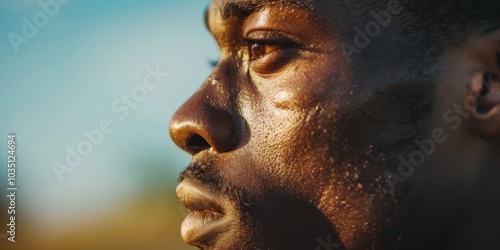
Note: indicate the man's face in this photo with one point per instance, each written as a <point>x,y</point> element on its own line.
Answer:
<point>295,135</point>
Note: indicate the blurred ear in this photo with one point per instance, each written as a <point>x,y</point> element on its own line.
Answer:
<point>485,86</point>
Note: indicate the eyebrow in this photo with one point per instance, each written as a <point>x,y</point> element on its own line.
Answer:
<point>241,9</point>
<point>245,8</point>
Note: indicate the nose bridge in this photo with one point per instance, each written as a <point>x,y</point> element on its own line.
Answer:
<point>208,119</point>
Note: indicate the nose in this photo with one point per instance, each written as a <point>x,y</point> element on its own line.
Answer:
<point>200,124</point>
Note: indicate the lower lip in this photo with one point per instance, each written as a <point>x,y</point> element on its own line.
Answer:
<point>200,224</point>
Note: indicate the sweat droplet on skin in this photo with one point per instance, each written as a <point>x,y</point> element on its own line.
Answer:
<point>213,81</point>
<point>284,100</point>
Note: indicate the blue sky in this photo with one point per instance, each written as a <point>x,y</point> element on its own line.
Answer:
<point>65,79</point>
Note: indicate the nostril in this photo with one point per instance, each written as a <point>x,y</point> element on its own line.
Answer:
<point>197,143</point>
<point>197,127</point>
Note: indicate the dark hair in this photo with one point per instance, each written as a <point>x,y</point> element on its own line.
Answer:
<point>468,12</point>
<point>448,23</point>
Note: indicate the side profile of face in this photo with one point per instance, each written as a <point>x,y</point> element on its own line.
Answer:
<point>340,125</point>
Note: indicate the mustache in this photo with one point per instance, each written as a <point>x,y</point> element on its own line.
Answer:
<point>205,174</point>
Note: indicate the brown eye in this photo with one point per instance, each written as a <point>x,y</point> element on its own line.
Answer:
<point>258,50</point>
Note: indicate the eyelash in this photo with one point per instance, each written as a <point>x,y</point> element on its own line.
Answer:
<point>247,44</point>
<point>213,62</point>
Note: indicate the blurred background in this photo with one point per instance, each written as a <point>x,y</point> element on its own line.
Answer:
<point>65,65</point>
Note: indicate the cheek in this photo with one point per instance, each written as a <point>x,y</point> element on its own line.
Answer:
<point>299,90</point>
<point>273,133</point>
<point>294,124</point>
<point>288,139</point>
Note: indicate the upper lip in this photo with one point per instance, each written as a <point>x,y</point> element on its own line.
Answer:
<point>196,197</point>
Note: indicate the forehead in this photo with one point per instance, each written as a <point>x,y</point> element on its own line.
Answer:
<point>221,11</point>
<point>229,8</point>
<point>333,13</point>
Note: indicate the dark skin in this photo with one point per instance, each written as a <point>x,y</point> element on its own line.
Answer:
<point>293,141</point>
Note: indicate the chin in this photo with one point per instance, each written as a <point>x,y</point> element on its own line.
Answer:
<point>265,220</point>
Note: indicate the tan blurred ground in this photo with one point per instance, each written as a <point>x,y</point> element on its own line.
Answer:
<point>148,223</point>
